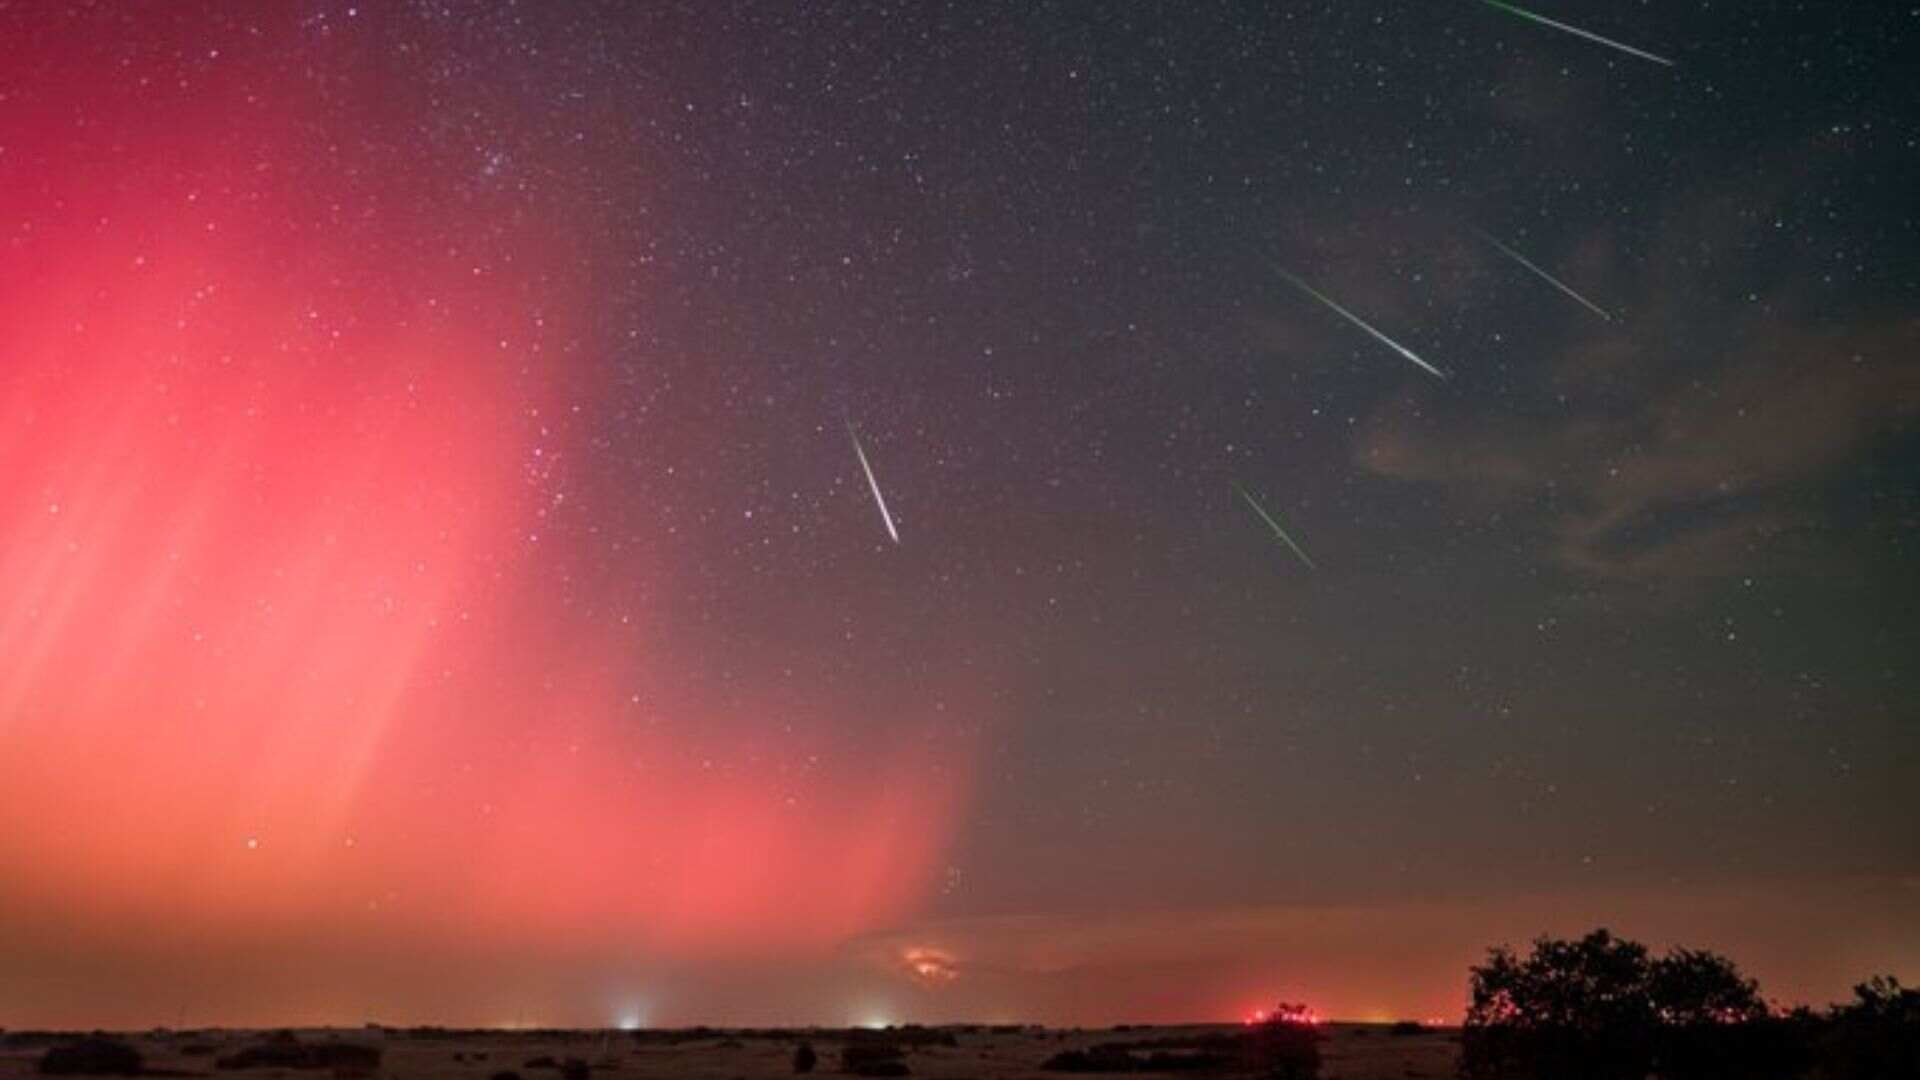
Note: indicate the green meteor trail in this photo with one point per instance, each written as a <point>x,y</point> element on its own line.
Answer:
<point>1576,31</point>
<point>1274,525</point>
<point>1544,276</point>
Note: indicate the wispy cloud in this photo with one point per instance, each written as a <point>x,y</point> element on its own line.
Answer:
<point>1689,438</point>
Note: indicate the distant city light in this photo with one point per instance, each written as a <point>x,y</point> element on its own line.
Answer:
<point>631,1016</point>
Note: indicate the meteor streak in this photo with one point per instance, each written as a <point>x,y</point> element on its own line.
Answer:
<point>1576,31</point>
<point>1358,321</point>
<point>1274,525</point>
<point>1544,276</point>
<point>872,483</point>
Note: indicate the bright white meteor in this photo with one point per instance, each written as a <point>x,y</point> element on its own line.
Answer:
<point>1358,321</point>
<point>1576,31</point>
<point>878,499</point>
<point>1544,276</point>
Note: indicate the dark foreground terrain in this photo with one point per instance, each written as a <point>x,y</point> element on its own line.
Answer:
<point>1348,1052</point>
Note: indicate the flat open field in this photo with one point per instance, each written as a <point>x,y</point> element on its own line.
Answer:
<point>1349,1051</point>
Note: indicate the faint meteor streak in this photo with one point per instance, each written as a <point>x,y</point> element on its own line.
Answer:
<point>1274,525</point>
<point>1357,321</point>
<point>1576,31</point>
<point>878,499</point>
<point>1544,276</point>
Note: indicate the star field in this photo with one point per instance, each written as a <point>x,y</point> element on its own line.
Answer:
<point>434,549</point>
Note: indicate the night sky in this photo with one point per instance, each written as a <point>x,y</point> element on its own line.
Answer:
<point>438,580</point>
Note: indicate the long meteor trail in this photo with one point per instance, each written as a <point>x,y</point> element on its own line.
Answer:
<point>1274,525</point>
<point>1576,31</point>
<point>1357,321</point>
<point>879,500</point>
<point>1544,276</point>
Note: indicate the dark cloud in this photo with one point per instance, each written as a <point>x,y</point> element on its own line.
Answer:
<point>1636,467</point>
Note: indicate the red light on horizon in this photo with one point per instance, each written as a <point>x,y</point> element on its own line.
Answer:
<point>1286,1013</point>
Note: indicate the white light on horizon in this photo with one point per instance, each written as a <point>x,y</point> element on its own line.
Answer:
<point>630,1017</point>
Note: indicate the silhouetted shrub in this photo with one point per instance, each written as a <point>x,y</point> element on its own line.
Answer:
<point>804,1059</point>
<point>541,1062</point>
<point>872,1059</point>
<point>1115,1058</point>
<point>345,1059</point>
<point>285,1051</point>
<point>1096,1059</point>
<point>1279,1049</point>
<point>1284,1050</point>
<point>1407,1027</point>
<point>904,1035</point>
<point>1164,1062</point>
<point>94,1057</point>
<point>575,1069</point>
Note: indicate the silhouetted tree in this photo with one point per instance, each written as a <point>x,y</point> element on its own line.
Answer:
<point>1692,986</point>
<point>1877,1036</point>
<point>804,1059</point>
<point>94,1056</point>
<point>1601,1008</point>
<point>1573,1009</point>
<point>1713,1024</point>
<point>1882,999</point>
